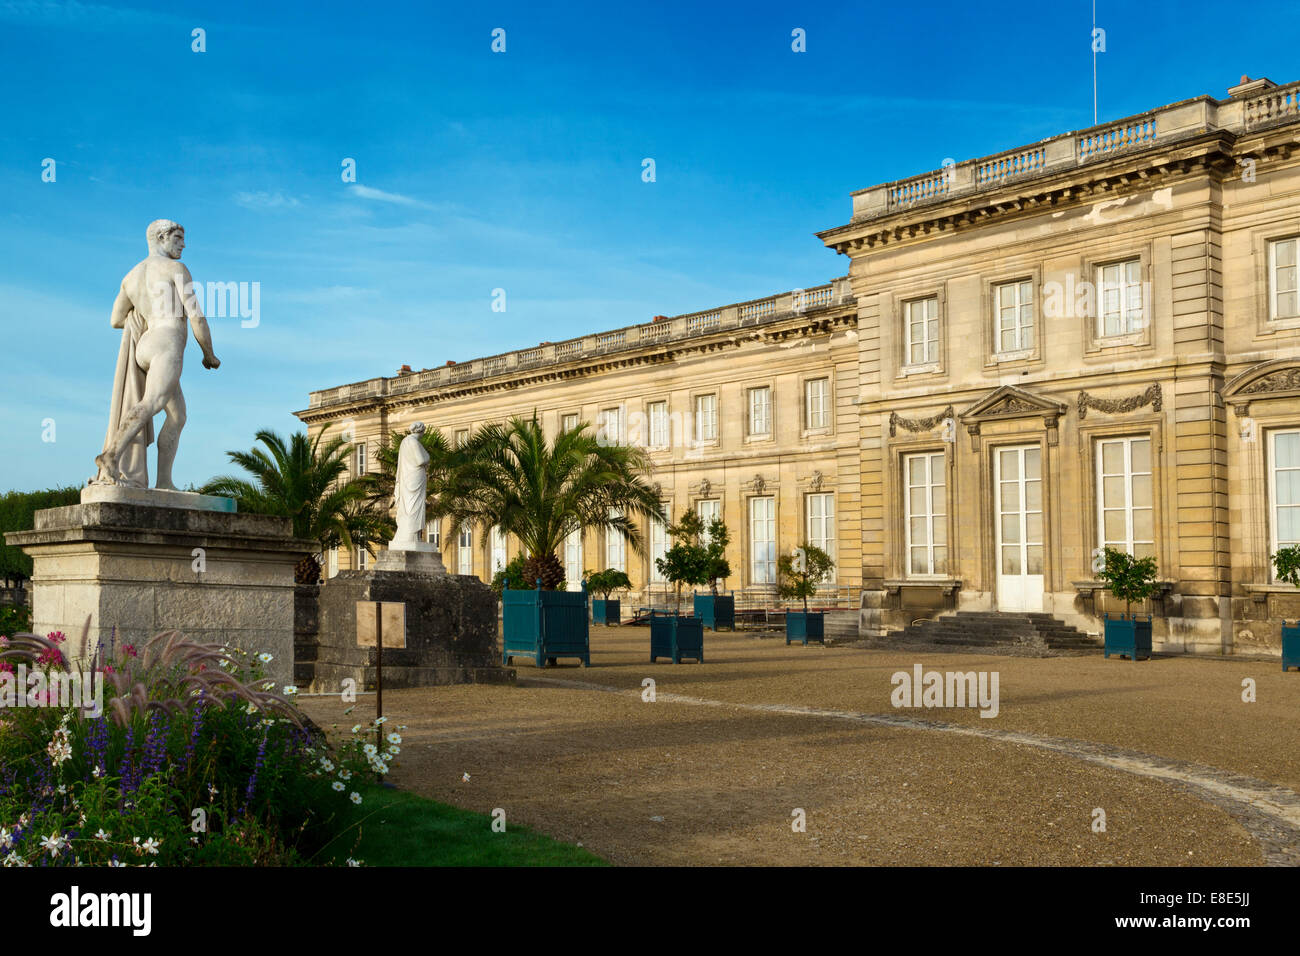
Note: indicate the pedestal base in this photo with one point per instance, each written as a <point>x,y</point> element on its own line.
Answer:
<point>451,631</point>
<point>215,576</point>
<point>421,561</point>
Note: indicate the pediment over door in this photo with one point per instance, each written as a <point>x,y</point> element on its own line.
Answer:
<point>1008,402</point>
<point>1268,380</point>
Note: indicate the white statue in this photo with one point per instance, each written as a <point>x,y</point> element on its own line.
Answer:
<point>410,489</point>
<point>152,305</point>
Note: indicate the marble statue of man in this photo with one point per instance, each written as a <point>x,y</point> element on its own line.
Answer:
<point>155,299</point>
<point>410,488</point>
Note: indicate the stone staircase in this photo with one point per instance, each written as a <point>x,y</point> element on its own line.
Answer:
<point>1029,634</point>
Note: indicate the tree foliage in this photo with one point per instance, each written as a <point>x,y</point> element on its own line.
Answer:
<point>697,556</point>
<point>606,582</point>
<point>795,583</point>
<point>1286,563</point>
<point>1128,578</point>
<point>17,513</point>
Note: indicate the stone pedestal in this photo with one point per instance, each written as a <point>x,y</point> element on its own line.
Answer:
<point>192,565</point>
<point>451,627</point>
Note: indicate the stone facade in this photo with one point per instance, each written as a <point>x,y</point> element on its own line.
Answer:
<point>1091,340</point>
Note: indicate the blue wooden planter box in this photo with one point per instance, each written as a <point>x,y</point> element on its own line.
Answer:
<point>544,625</point>
<point>1128,637</point>
<point>805,626</point>
<point>676,637</point>
<point>606,612</point>
<point>1290,645</point>
<point>716,610</point>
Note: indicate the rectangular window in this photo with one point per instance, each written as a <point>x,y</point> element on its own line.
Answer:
<point>1119,291</point>
<point>465,552</point>
<point>569,422</point>
<point>817,408</point>
<point>361,458</point>
<point>433,533</point>
<point>573,559</point>
<point>363,554</point>
<point>1013,305</point>
<point>615,548</point>
<point>922,321</point>
<point>706,418</point>
<point>762,540</point>
<point>1124,496</point>
<point>658,412</point>
<point>332,562</point>
<point>821,523</point>
<point>498,545</point>
<point>658,545</point>
<point>708,509</point>
<point>611,426</point>
<point>760,411</point>
<point>462,437</point>
<point>1282,302</point>
<point>1284,491</point>
<point>926,511</point>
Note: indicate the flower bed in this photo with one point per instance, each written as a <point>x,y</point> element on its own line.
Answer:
<point>189,759</point>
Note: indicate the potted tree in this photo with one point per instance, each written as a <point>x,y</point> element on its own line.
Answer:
<point>713,609</point>
<point>1130,579</point>
<point>686,562</point>
<point>607,610</point>
<point>1287,565</point>
<point>800,574</point>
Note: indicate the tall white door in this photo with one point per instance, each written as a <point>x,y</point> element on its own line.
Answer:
<point>1019,482</point>
<point>573,560</point>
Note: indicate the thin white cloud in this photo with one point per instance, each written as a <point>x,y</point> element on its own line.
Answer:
<point>266,200</point>
<point>379,195</point>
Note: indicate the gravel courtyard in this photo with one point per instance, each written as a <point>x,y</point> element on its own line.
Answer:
<point>714,769</point>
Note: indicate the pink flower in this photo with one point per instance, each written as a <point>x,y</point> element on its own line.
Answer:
<point>129,650</point>
<point>58,637</point>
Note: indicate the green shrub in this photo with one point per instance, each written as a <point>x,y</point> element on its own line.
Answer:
<point>1128,578</point>
<point>606,582</point>
<point>1286,563</point>
<point>801,580</point>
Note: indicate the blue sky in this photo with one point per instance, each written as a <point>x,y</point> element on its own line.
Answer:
<point>478,170</point>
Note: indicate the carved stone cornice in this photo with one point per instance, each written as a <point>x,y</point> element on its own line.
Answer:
<point>1122,406</point>
<point>897,421</point>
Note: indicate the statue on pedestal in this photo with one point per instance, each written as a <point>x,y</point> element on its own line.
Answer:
<point>410,490</point>
<point>153,303</point>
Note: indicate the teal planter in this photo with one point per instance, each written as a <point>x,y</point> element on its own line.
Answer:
<point>544,625</point>
<point>1128,637</point>
<point>805,626</point>
<point>675,637</point>
<point>716,610</point>
<point>1290,645</point>
<point>609,611</point>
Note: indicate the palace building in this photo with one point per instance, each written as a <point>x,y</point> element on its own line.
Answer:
<point>1090,341</point>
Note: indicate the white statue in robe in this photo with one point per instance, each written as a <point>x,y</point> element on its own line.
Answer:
<point>410,488</point>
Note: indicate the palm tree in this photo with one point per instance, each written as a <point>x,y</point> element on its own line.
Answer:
<point>541,491</point>
<point>305,482</point>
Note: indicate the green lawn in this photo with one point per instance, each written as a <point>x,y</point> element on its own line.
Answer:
<point>398,828</point>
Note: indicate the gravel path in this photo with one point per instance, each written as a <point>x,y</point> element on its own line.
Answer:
<point>712,771</point>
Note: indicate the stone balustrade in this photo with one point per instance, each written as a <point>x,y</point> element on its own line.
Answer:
<point>658,332</point>
<point>1068,150</point>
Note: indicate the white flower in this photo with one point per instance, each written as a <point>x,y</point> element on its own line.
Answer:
<point>356,729</point>
<point>354,797</point>
<point>265,658</point>
<point>394,738</point>
<point>352,862</point>
<point>345,774</point>
<point>150,846</point>
<point>250,709</point>
<point>13,859</point>
<point>54,843</point>
<point>98,771</point>
<point>212,791</point>
<point>116,863</point>
<point>101,835</point>
<point>394,751</point>
<point>290,690</point>
<point>327,765</point>
<point>6,838</point>
<point>380,720</point>
<point>369,750</point>
<point>338,786</point>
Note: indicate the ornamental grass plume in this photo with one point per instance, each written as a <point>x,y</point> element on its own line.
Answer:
<point>169,674</point>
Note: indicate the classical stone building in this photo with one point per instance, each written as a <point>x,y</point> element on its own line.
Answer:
<point>1093,340</point>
